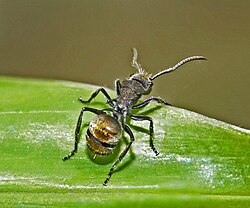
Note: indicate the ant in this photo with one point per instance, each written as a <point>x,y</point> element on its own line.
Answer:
<point>104,131</point>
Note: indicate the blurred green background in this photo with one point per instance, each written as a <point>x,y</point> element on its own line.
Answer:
<point>91,41</point>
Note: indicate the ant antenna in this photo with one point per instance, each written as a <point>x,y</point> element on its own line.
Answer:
<point>191,58</point>
<point>135,62</point>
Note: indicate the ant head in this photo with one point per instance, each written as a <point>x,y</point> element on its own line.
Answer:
<point>144,79</point>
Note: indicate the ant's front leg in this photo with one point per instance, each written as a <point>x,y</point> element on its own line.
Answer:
<point>103,91</point>
<point>146,102</point>
<point>118,87</point>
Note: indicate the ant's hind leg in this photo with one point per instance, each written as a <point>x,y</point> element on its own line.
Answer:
<point>122,155</point>
<point>103,91</point>
<point>77,131</point>
<point>151,129</point>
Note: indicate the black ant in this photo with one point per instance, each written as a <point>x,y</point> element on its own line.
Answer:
<point>105,130</point>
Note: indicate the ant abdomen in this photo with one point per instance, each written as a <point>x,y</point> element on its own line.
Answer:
<point>103,134</point>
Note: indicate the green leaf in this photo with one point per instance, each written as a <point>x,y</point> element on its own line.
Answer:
<point>202,161</point>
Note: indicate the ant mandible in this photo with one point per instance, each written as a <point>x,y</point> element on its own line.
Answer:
<point>104,131</point>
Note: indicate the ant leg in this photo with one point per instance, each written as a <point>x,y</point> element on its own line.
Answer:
<point>122,155</point>
<point>103,91</point>
<point>151,129</point>
<point>118,86</point>
<point>77,130</point>
<point>146,102</point>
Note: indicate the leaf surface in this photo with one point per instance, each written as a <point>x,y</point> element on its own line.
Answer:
<point>202,161</point>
